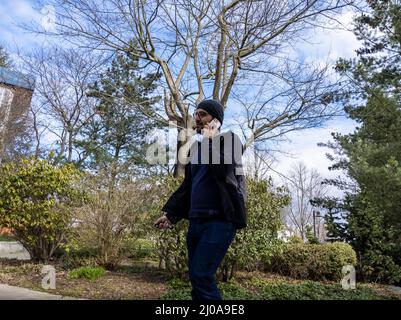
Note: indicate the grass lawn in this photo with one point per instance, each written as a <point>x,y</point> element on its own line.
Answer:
<point>143,280</point>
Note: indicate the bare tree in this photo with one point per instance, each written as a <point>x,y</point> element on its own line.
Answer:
<point>39,129</point>
<point>203,47</point>
<point>258,162</point>
<point>291,97</point>
<point>61,105</point>
<point>303,185</point>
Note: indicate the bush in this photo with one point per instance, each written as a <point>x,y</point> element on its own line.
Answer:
<point>91,273</point>
<point>262,289</point>
<point>295,240</point>
<point>37,202</point>
<point>111,218</point>
<point>170,244</point>
<point>75,258</point>
<point>258,242</point>
<point>313,261</point>
<point>311,290</point>
<point>140,248</point>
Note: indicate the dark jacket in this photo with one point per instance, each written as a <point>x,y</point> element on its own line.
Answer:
<point>231,182</point>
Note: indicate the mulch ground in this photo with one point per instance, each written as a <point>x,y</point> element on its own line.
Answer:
<point>139,281</point>
<point>145,282</point>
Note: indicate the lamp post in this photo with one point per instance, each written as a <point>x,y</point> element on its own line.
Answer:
<point>315,214</point>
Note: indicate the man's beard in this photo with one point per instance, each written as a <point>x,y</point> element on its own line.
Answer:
<point>199,127</point>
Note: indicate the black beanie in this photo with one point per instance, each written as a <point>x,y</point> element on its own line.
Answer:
<point>213,107</point>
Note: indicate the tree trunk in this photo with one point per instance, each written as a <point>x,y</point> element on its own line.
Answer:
<point>179,168</point>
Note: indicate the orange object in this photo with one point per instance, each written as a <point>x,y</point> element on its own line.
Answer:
<point>6,231</point>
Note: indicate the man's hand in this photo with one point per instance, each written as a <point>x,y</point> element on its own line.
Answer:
<point>163,223</point>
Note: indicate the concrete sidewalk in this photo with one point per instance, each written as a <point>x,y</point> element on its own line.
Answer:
<point>15,293</point>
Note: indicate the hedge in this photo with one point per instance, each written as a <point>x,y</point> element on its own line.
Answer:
<point>313,261</point>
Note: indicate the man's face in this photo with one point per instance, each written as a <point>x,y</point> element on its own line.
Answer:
<point>201,118</point>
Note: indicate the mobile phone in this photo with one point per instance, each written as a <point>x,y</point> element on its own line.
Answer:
<point>215,123</point>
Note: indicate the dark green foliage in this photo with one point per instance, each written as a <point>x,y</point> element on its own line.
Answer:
<point>140,248</point>
<point>77,257</point>
<point>114,139</point>
<point>258,242</point>
<point>313,261</point>
<point>4,58</point>
<point>371,155</point>
<point>334,218</point>
<point>310,290</point>
<point>260,289</point>
<point>310,236</point>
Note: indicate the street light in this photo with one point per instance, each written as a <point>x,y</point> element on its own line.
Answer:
<point>315,214</point>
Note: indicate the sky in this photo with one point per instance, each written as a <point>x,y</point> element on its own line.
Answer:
<point>328,45</point>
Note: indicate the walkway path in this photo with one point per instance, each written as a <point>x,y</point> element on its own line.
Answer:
<point>15,293</point>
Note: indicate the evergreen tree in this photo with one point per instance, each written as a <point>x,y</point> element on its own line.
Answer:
<point>114,140</point>
<point>310,236</point>
<point>4,58</point>
<point>334,218</point>
<point>371,155</point>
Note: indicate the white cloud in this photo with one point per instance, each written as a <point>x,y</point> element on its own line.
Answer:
<point>48,19</point>
<point>303,147</point>
<point>327,46</point>
<point>23,10</point>
<point>12,15</point>
<point>330,44</point>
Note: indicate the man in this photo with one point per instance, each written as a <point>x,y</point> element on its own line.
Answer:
<point>212,196</point>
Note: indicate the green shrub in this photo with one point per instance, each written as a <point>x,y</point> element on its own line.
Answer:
<point>170,243</point>
<point>313,261</point>
<point>37,201</point>
<point>75,258</point>
<point>311,290</point>
<point>91,273</point>
<point>263,289</point>
<point>231,290</point>
<point>140,248</point>
<point>295,240</point>
<point>258,242</point>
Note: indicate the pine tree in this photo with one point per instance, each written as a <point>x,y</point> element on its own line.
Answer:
<point>334,218</point>
<point>371,155</point>
<point>4,58</point>
<point>115,138</point>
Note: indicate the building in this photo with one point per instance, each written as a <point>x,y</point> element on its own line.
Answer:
<point>16,91</point>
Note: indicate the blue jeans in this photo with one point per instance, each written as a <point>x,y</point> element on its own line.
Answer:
<point>207,243</point>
